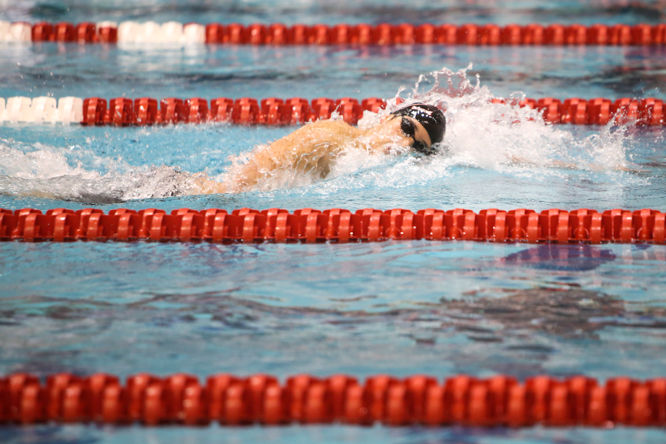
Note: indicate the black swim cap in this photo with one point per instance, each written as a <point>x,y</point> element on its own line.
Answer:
<point>431,117</point>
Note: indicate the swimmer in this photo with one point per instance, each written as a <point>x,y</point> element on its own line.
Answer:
<point>313,148</point>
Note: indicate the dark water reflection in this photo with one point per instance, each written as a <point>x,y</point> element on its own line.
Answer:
<point>561,257</point>
<point>564,312</point>
<point>47,334</point>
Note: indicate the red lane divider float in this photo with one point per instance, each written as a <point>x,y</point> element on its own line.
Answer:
<point>295,110</point>
<point>335,225</point>
<point>244,111</point>
<point>320,34</point>
<point>261,399</point>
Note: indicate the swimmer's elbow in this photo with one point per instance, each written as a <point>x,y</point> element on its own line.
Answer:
<point>203,185</point>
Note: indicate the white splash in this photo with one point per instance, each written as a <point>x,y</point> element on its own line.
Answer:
<point>58,173</point>
<point>482,134</point>
<point>505,136</point>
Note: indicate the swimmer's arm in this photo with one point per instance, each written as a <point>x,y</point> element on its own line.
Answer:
<point>309,148</point>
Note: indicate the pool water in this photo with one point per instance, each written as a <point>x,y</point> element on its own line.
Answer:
<point>401,308</point>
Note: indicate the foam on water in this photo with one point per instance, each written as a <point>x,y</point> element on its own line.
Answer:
<point>480,134</point>
<point>504,137</point>
<point>58,173</point>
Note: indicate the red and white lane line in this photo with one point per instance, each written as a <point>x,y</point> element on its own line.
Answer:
<point>320,34</point>
<point>123,111</point>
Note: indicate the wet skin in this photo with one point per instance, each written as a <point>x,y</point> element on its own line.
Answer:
<point>313,148</point>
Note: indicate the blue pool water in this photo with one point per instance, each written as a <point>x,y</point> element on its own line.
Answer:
<point>391,307</point>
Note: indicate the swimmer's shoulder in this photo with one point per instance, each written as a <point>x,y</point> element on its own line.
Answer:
<point>330,128</point>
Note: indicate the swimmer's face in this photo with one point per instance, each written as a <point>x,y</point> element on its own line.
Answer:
<point>407,131</point>
<point>413,129</point>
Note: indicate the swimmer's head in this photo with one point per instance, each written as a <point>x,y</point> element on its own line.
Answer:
<point>425,124</point>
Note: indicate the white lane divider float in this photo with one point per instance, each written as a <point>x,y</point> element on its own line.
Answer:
<point>18,109</point>
<point>19,32</point>
<point>41,110</point>
<point>166,33</point>
<point>70,110</point>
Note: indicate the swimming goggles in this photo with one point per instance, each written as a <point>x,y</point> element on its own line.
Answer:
<point>408,128</point>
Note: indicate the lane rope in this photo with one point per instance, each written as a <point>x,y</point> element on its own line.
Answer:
<point>319,34</point>
<point>335,225</point>
<point>123,111</point>
<point>304,399</point>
